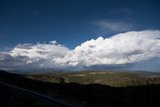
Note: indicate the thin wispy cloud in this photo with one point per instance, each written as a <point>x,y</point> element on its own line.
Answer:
<point>123,48</point>
<point>113,25</point>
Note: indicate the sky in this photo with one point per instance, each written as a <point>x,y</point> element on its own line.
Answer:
<point>80,34</point>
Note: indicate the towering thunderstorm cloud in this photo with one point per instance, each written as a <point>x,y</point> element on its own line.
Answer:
<point>123,48</point>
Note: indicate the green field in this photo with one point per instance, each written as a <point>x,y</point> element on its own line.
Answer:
<point>111,78</point>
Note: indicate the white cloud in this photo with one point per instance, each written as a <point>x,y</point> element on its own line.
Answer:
<point>120,49</point>
<point>124,48</point>
<point>45,51</point>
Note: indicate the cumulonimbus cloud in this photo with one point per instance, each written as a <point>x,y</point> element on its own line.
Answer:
<point>123,48</point>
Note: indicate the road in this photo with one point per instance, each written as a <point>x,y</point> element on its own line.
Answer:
<point>56,103</point>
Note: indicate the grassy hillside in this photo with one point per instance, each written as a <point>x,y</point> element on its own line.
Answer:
<point>116,79</point>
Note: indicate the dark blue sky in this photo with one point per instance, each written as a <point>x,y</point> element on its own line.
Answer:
<point>71,22</point>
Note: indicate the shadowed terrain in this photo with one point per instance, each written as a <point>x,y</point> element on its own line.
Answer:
<point>144,93</point>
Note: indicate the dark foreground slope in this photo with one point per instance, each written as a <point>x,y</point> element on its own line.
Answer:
<point>82,95</point>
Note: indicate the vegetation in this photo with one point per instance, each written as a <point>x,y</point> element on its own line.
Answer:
<point>81,89</point>
<point>116,79</point>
